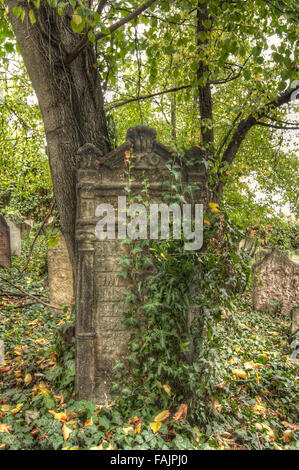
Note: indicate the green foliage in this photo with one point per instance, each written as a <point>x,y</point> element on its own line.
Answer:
<point>233,411</point>
<point>26,188</point>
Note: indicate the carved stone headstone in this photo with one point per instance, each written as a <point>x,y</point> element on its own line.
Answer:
<point>275,283</point>
<point>100,337</point>
<point>5,253</point>
<point>15,238</point>
<point>60,275</point>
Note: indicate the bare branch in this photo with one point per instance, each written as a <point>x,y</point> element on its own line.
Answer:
<point>38,300</point>
<point>145,97</point>
<point>259,123</point>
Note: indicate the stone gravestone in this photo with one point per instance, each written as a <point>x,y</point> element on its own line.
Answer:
<point>60,275</point>
<point>295,319</point>
<point>275,283</point>
<point>5,253</point>
<point>99,290</point>
<point>15,238</point>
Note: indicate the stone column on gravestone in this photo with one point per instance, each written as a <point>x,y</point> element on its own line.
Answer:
<point>84,271</point>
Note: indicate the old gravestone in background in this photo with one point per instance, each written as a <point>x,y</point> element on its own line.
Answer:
<point>5,253</point>
<point>60,275</point>
<point>100,337</point>
<point>15,238</point>
<point>275,283</point>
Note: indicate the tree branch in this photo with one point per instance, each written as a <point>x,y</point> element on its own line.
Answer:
<point>145,97</point>
<point>259,123</point>
<point>30,295</point>
<point>246,124</point>
<point>101,6</point>
<point>81,46</point>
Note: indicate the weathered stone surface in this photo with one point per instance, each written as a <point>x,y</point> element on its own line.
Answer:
<point>294,319</point>
<point>15,238</point>
<point>60,275</point>
<point>25,228</point>
<point>5,253</point>
<point>279,277</point>
<point>248,245</point>
<point>100,337</point>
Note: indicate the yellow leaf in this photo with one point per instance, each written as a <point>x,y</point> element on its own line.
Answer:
<point>167,389</point>
<point>88,422</point>
<point>17,408</point>
<point>5,407</point>
<point>6,10</point>
<point>138,429</point>
<point>77,18</point>
<point>214,206</point>
<point>5,428</point>
<point>128,429</point>
<point>259,409</point>
<point>240,373</point>
<point>97,448</point>
<point>66,432</point>
<point>155,427</point>
<point>62,417</point>
<point>162,416</point>
<point>27,379</point>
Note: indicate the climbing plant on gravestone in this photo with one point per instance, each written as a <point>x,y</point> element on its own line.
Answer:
<point>61,58</point>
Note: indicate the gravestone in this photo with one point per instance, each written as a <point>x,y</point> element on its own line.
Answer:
<point>15,238</point>
<point>5,253</point>
<point>295,319</point>
<point>60,275</point>
<point>99,290</point>
<point>275,283</point>
<point>26,228</point>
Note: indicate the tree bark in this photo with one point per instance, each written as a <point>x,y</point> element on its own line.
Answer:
<point>70,99</point>
<point>205,95</point>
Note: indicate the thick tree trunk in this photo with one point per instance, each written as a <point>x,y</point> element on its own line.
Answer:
<point>70,99</point>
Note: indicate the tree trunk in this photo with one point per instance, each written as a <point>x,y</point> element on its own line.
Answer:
<point>70,99</point>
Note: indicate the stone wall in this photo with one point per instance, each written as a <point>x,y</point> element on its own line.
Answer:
<point>100,337</point>
<point>60,275</point>
<point>275,283</point>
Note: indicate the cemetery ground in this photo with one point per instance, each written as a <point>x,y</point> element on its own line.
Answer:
<point>249,404</point>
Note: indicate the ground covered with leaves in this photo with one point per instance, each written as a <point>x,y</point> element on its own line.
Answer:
<point>250,402</point>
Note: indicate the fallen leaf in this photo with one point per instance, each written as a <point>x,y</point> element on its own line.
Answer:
<point>162,416</point>
<point>240,373</point>
<point>155,427</point>
<point>5,428</point>
<point>27,379</point>
<point>181,414</point>
<point>167,389</point>
<point>291,426</point>
<point>17,408</point>
<point>66,432</point>
<point>287,436</point>
<point>88,422</point>
<point>62,417</point>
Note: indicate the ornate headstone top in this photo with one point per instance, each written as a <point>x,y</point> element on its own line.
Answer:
<point>147,152</point>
